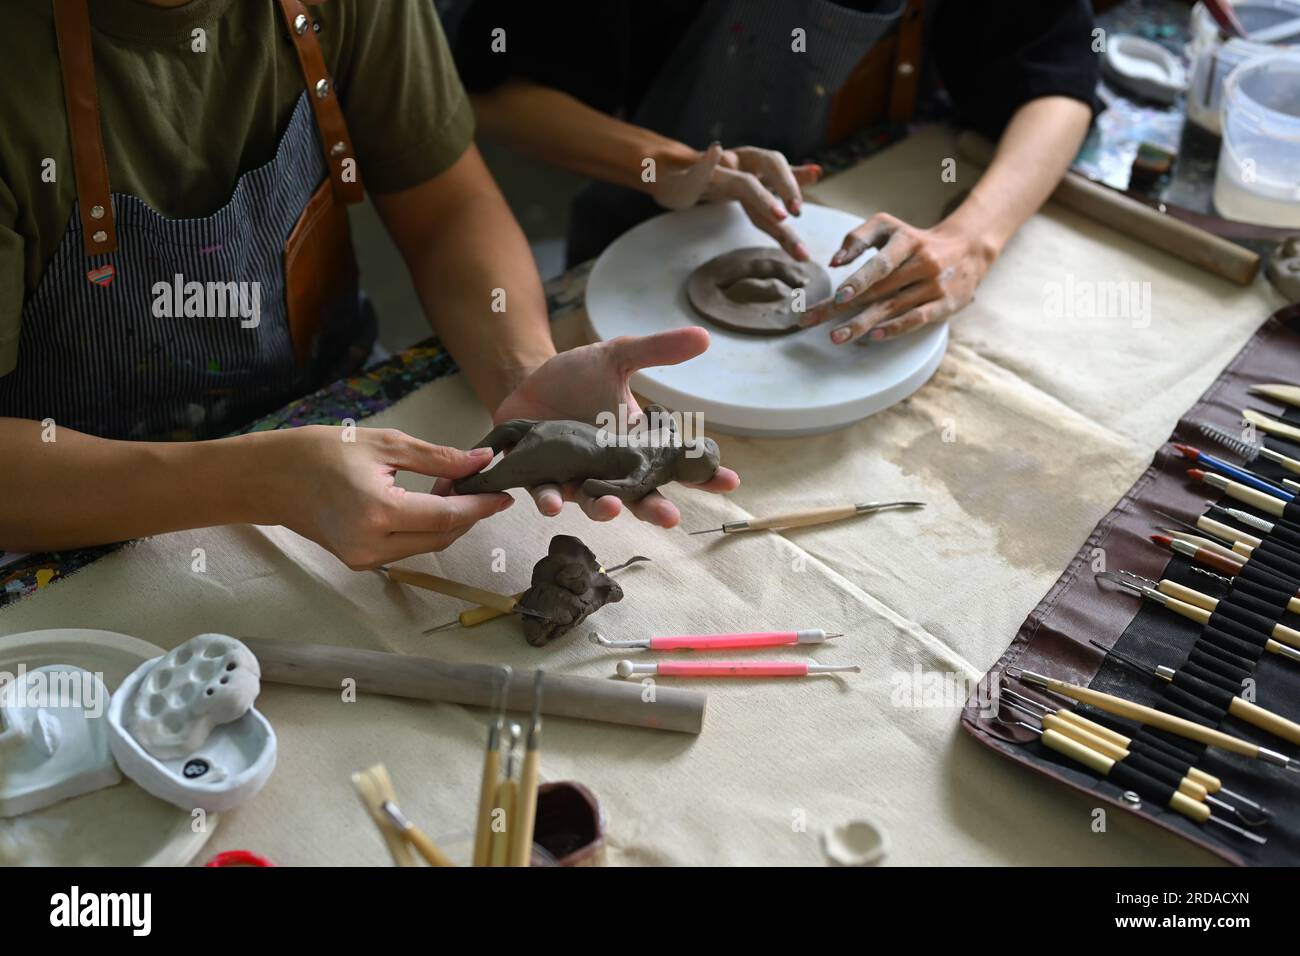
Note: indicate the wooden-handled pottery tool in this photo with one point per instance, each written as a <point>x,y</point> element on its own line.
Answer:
<point>478,685</point>
<point>1194,606</point>
<point>1286,394</point>
<point>1269,504</point>
<point>714,642</point>
<point>1271,425</point>
<point>1213,559</point>
<point>1239,707</point>
<point>733,669</point>
<point>503,603</point>
<point>521,839</point>
<point>481,614</point>
<point>810,516</point>
<point>1243,475</point>
<point>1065,722</point>
<point>491,770</point>
<point>1151,717</point>
<point>376,790</point>
<point>1105,765</point>
<point>1248,451</point>
<point>507,792</point>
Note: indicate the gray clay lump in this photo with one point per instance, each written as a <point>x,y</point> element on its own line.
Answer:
<point>554,452</point>
<point>752,290</point>
<point>567,586</point>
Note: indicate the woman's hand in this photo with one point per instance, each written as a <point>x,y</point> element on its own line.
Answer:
<point>583,383</point>
<point>750,176</point>
<point>918,276</point>
<point>342,494</point>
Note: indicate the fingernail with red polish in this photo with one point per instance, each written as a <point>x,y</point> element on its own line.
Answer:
<point>840,336</point>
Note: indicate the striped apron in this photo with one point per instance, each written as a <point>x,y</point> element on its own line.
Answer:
<point>734,78</point>
<point>183,329</point>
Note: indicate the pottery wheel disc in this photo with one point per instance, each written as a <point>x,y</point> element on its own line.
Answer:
<point>786,385</point>
<point>753,290</point>
<point>116,826</point>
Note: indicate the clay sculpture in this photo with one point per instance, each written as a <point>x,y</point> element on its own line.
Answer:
<point>567,586</point>
<point>554,452</point>
<point>207,681</point>
<point>753,290</point>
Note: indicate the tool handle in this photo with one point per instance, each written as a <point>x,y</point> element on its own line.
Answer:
<point>1287,394</point>
<point>1271,425</point>
<point>1227,532</point>
<point>1218,562</point>
<point>1287,635</point>
<point>466,592</point>
<point>486,795</point>
<point>1211,783</point>
<point>708,642</point>
<point>1192,612</point>
<point>1192,809</point>
<point>1067,728</point>
<point>1077,752</point>
<point>1155,718</point>
<point>1257,716</point>
<point>504,802</point>
<point>733,669</point>
<point>431,852</point>
<point>801,519</point>
<point>1265,503</point>
<point>521,835</point>
<point>481,614</point>
<point>1092,727</point>
<point>1188,595</point>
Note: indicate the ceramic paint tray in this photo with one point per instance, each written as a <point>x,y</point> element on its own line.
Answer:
<point>798,384</point>
<point>118,825</point>
<point>229,767</point>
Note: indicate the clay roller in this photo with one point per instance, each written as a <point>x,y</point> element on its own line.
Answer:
<point>400,675</point>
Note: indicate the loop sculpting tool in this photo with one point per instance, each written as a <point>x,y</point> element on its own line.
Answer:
<point>1151,717</point>
<point>1194,606</point>
<point>810,516</point>
<point>733,669</point>
<point>1201,679</point>
<point>714,642</point>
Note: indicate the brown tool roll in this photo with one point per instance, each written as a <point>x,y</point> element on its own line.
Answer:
<point>1215,662</point>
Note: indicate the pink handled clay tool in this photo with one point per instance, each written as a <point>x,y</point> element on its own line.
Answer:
<point>715,642</point>
<point>733,669</point>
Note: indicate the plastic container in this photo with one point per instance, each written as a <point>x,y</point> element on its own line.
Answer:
<point>1258,178</point>
<point>1212,59</point>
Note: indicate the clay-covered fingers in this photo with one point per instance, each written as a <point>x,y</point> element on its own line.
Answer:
<point>683,188</point>
<point>884,310</point>
<point>856,292</point>
<point>933,311</point>
<point>774,172</point>
<point>763,208</point>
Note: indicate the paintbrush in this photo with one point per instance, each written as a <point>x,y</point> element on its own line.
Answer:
<point>521,840</point>
<point>1238,706</point>
<point>488,779</point>
<point>1269,504</point>
<point>479,615</point>
<point>1243,475</point>
<point>810,516</point>
<point>1248,451</point>
<point>466,592</point>
<point>376,790</point>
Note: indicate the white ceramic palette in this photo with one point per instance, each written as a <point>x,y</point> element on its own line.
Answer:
<point>798,384</point>
<point>118,825</point>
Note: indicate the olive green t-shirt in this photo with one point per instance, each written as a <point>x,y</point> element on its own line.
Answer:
<point>193,96</point>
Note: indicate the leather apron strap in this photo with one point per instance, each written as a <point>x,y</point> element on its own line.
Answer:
<point>335,141</point>
<point>81,99</point>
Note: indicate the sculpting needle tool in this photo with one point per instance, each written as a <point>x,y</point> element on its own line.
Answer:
<point>1284,536</point>
<point>1160,752</point>
<point>734,669</point>
<point>1197,552</point>
<point>466,592</point>
<point>810,516</point>
<point>1248,451</point>
<point>1238,706</point>
<point>521,839</point>
<point>1225,537</point>
<point>1107,767</point>
<point>1192,605</point>
<point>714,642</point>
<point>1280,559</point>
<point>491,770</point>
<point>1243,475</point>
<point>481,614</point>
<point>1151,717</point>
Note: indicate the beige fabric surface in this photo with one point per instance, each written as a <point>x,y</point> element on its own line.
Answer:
<point>1029,432</point>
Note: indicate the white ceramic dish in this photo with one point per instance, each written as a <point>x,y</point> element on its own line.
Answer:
<point>116,826</point>
<point>798,384</point>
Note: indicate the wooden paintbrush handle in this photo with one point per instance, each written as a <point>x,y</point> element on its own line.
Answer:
<point>800,519</point>
<point>1257,716</point>
<point>432,854</point>
<point>1155,718</point>
<point>466,592</point>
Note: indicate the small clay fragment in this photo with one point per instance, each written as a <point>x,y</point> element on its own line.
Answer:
<point>1283,269</point>
<point>553,452</point>
<point>567,586</point>
<point>752,290</point>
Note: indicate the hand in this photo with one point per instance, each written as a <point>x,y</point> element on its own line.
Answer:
<point>582,383</point>
<point>750,176</point>
<point>342,495</point>
<point>919,276</point>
